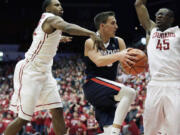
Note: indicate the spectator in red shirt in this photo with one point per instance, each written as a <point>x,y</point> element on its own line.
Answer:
<point>40,121</point>
<point>92,125</point>
<point>81,129</point>
<point>72,127</point>
<point>133,128</point>
<point>7,120</point>
<point>47,121</point>
<point>29,129</point>
<point>50,130</point>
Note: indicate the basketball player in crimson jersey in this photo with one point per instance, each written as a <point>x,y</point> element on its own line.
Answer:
<point>163,91</point>
<point>34,86</point>
<point>101,90</point>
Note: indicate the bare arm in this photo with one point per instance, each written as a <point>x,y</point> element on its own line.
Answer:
<point>101,60</point>
<point>143,15</point>
<point>72,29</point>
<point>56,22</point>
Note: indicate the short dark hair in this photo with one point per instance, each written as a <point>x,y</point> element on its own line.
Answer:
<point>102,18</point>
<point>45,4</point>
<point>171,12</point>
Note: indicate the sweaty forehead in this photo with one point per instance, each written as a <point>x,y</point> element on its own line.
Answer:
<point>55,2</point>
<point>163,10</point>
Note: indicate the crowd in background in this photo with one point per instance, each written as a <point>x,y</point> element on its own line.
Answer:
<point>78,113</point>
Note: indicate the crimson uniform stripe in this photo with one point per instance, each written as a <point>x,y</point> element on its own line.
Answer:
<point>106,84</point>
<point>20,81</point>
<point>48,104</point>
<point>39,47</point>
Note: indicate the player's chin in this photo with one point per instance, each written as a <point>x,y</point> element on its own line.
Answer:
<point>60,14</point>
<point>113,35</point>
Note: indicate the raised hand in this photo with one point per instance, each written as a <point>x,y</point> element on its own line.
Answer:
<point>98,43</point>
<point>65,39</point>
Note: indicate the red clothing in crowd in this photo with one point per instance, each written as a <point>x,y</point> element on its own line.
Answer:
<point>81,128</point>
<point>2,127</point>
<point>73,126</point>
<point>47,121</point>
<point>29,128</point>
<point>6,122</point>
<point>133,128</point>
<point>92,126</point>
<point>39,117</point>
<point>50,130</point>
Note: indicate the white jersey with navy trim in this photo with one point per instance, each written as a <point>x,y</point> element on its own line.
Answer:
<point>164,54</point>
<point>43,47</point>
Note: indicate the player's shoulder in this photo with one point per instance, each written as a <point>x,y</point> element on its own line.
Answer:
<point>120,40</point>
<point>177,27</point>
<point>89,43</point>
<point>54,18</point>
<point>121,43</point>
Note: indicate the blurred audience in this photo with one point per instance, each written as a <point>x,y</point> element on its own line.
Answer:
<point>79,114</point>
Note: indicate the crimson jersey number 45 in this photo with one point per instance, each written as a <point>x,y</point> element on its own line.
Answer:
<point>163,44</point>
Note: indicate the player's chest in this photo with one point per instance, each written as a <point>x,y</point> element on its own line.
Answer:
<point>164,42</point>
<point>109,51</point>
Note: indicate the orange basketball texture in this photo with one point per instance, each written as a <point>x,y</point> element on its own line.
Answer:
<point>140,64</point>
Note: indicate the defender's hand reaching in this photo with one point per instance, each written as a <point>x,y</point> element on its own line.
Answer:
<point>98,43</point>
<point>65,39</point>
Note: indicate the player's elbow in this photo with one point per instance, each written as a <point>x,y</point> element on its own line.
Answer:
<point>99,64</point>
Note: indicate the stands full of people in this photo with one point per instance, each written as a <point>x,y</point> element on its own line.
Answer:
<point>78,113</point>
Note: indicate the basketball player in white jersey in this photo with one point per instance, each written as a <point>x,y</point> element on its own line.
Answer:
<point>34,86</point>
<point>162,105</point>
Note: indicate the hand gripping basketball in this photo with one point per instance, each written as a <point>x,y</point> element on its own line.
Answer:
<point>140,65</point>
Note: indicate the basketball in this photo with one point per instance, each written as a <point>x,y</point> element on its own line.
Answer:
<point>140,64</point>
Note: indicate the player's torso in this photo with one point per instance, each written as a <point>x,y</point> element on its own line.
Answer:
<point>44,46</point>
<point>109,71</point>
<point>164,54</point>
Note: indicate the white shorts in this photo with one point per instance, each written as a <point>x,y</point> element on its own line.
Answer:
<point>162,108</point>
<point>33,91</point>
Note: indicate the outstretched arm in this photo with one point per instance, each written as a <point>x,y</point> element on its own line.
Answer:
<point>57,22</point>
<point>143,15</point>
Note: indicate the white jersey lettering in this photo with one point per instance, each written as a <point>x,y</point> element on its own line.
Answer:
<point>164,54</point>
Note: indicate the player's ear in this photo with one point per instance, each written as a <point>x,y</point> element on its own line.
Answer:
<point>101,25</point>
<point>47,9</point>
<point>172,20</point>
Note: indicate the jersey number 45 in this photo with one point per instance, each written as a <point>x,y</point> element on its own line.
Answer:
<point>163,44</point>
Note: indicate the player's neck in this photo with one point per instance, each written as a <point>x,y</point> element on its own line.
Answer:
<point>104,37</point>
<point>163,28</point>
